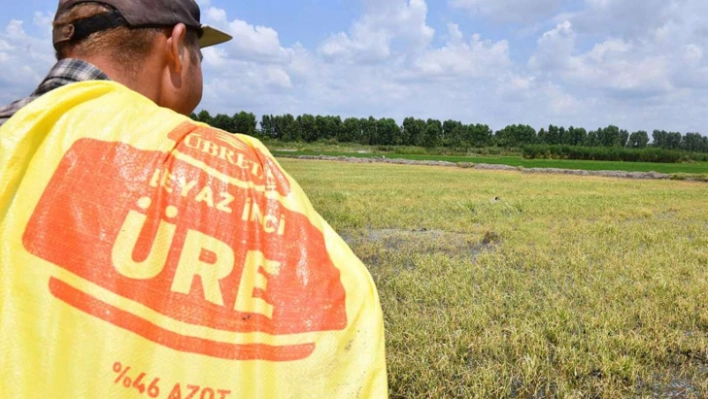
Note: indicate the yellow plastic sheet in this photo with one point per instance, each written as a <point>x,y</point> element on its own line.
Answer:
<point>143,255</point>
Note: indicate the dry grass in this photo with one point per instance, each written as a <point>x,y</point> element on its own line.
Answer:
<point>507,285</point>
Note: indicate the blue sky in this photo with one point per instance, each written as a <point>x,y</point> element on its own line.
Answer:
<point>638,64</point>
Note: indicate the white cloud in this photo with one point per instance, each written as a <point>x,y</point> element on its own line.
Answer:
<point>639,67</point>
<point>252,43</point>
<point>215,16</point>
<point>387,27</point>
<point>44,21</point>
<point>555,49</point>
<point>24,60</point>
<point>627,18</point>
<point>460,57</point>
<point>256,41</point>
<point>641,64</point>
<point>507,10</point>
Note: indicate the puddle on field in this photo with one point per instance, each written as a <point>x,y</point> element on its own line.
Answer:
<point>678,386</point>
<point>370,245</point>
<point>676,389</point>
<point>664,386</point>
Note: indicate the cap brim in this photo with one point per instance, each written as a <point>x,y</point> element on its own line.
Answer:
<point>213,36</point>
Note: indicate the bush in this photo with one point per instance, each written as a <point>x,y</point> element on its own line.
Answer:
<point>400,149</point>
<point>657,155</point>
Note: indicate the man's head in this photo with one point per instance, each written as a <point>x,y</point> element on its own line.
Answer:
<point>151,46</point>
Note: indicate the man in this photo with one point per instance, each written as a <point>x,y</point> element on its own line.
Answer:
<point>102,42</point>
<point>143,254</point>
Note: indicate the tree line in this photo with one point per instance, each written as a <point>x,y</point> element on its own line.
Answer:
<point>432,133</point>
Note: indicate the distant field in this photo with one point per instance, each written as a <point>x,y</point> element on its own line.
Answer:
<point>694,168</point>
<point>508,285</point>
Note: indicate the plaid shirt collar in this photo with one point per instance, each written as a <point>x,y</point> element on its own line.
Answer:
<point>64,72</point>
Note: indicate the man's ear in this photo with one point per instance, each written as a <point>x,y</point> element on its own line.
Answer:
<point>177,48</point>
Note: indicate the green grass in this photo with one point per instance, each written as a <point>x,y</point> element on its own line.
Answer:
<point>564,286</point>
<point>693,168</point>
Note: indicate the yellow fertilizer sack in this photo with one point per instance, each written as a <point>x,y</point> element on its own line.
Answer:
<point>143,255</point>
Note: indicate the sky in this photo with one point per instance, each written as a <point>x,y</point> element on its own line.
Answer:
<point>636,64</point>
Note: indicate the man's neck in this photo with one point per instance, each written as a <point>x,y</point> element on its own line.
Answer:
<point>144,79</point>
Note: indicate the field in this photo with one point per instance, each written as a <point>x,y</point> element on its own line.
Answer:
<point>509,285</point>
<point>515,160</point>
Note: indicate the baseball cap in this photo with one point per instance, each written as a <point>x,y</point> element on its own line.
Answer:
<point>138,14</point>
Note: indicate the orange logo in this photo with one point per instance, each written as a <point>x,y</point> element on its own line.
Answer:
<point>227,153</point>
<point>205,250</point>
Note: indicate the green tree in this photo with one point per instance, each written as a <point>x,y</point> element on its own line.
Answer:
<point>433,133</point>
<point>203,116</point>
<point>554,135</point>
<point>479,135</point>
<point>693,142</point>
<point>609,136</point>
<point>413,131</point>
<point>593,139</point>
<point>659,138</point>
<point>287,128</point>
<point>638,139</point>
<point>327,127</point>
<point>564,136</point>
<point>223,122</point>
<point>308,127</point>
<point>459,137</point>
<point>542,136</point>
<point>673,140</point>
<point>368,130</point>
<point>350,131</point>
<point>577,136</point>
<point>623,138</point>
<point>321,126</point>
<point>452,133</point>
<point>388,131</point>
<point>245,123</point>
<point>516,136</point>
<point>267,126</point>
